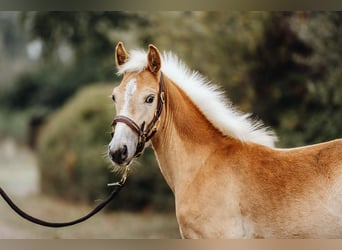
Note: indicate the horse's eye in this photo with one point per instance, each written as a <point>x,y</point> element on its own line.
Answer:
<point>113,98</point>
<point>149,99</point>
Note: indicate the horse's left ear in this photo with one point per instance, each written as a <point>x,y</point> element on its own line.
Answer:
<point>153,59</point>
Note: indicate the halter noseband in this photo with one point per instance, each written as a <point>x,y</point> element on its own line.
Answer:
<point>144,135</point>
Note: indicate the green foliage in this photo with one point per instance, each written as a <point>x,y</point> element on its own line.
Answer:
<point>296,77</point>
<point>14,125</point>
<point>86,32</point>
<point>73,160</point>
<point>214,43</point>
<point>276,73</point>
<point>284,67</point>
<point>77,48</point>
<point>48,87</point>
<point>321,110</point>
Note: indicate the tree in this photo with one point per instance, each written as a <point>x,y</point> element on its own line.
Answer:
<point>321,117</point>
<point>295,76</point>
<point>279,79</point>
<point>77,49</point>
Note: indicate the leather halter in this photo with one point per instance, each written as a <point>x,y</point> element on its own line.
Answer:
<point>144,135</point>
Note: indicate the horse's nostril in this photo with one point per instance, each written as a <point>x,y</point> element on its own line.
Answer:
<point>124,152</point>
<point>120,155</point>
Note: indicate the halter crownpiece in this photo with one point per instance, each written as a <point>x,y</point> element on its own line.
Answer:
<point>144,135</point>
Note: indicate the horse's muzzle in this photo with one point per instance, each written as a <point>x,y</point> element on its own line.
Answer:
<point>119,156</point>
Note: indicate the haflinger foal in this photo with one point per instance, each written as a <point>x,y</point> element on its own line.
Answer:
<point>228,179</point>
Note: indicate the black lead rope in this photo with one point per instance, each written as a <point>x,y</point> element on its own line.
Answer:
<point>117,188</point>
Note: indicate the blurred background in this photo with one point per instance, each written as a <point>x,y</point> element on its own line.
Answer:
<point>57,71</point>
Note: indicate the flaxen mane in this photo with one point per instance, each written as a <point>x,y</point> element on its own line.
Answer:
<point>207,97</point>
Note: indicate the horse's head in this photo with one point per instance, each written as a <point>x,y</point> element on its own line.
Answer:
<point>139,100</point>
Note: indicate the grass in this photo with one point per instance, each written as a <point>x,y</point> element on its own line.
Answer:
<point>113,225</point>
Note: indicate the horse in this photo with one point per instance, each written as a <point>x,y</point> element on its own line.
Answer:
<point>227,177</point>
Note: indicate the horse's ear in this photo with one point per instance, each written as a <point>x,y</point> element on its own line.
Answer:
<point>121,55</point>
<point>153,59</point>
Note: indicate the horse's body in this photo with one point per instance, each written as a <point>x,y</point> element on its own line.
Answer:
<point>226,187</point>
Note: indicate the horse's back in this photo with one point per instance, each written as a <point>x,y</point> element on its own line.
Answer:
<point>284,193</point>
<point>324,158</point>
<point>298,192</point>
<point>250,190</point>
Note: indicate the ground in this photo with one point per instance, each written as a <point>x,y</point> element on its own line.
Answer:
<point>19,177</point>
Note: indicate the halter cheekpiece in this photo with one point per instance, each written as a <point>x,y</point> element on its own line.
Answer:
<point>144,135</point>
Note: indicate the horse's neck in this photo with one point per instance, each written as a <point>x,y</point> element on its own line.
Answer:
<point>185,138</point>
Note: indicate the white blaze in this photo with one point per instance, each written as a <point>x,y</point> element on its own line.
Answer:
<point>131,87</point>
<point>123,134</point>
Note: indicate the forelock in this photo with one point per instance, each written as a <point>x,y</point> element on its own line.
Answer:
<point>137,62</point>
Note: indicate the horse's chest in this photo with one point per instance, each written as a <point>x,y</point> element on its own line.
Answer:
<point>209,214</point>
<point>210,226</point>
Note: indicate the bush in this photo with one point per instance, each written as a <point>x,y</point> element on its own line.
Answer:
<point>72,156</point>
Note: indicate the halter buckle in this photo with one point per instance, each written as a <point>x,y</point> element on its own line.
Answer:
<point>162,97</point>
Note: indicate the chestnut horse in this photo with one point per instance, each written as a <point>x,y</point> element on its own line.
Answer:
<point>228,179</point>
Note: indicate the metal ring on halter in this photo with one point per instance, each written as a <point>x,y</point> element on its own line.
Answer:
<point>123,179</point>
